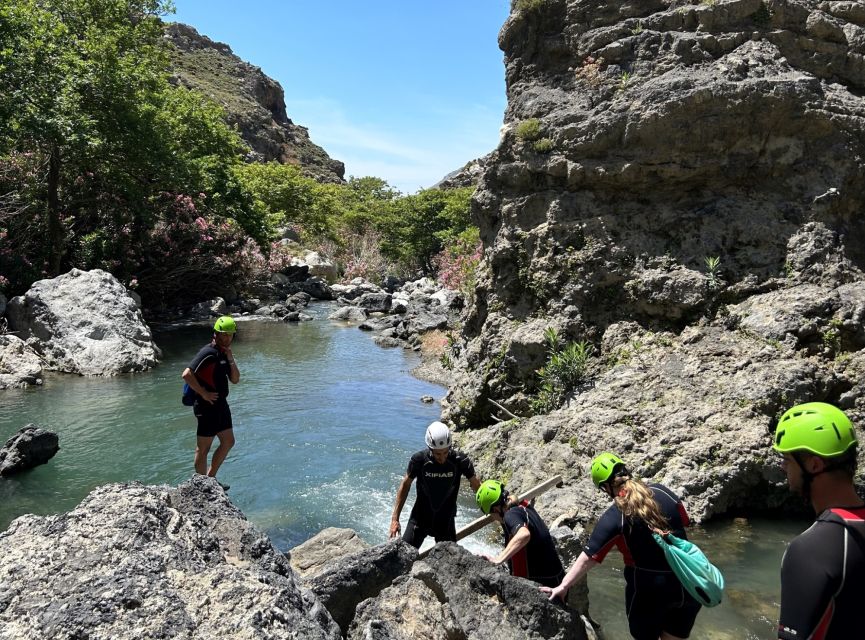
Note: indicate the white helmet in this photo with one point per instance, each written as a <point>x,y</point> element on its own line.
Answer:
<point>438,436</point>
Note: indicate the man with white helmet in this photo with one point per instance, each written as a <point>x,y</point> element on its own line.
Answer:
<point>438,470</point>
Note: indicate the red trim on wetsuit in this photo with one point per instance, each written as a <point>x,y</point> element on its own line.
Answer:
<point>620,542</point>
<point>686,521</point>
<point>850,514</point>
<point>205,372</point>
<point>520,563</point>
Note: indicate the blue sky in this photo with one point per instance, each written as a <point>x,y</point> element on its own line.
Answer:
<point>403,90</point>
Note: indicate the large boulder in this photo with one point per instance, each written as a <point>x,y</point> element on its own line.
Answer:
<point>28,448</point>
<point>19,364</point>
<point>84,322</point>
<point>151,562</point>
<point>344,583</point>
<point>455,594</point>
<point>309,558</point>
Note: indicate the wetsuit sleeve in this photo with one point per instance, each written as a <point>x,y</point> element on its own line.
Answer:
<point>605,534</point>
<point>810,576</point>
<point>414,466</point>
<point>514,519</point>
<point>467,467</point>
<point>203,366</point>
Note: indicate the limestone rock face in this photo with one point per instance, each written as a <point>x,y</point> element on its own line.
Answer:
<point>84,322</point>
<point>455,594</point>
<point>19,364</point>
<point>253,102</point>
<point>28,448</point>
<point>151,562</point>
<point>680,186</point>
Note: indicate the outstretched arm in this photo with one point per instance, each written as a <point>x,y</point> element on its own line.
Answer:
<point>401,495</point>
<point>475,483</point>
<point>518,541</point>
<point>581,567</point>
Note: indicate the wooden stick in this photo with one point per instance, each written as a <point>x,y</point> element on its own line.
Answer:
<point>480,523</point>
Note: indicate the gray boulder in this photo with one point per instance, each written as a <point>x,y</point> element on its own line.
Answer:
<point>309,558</point>
<point>84,322</point>
<point>349,313</point>
<point>28,448</point>
<point>151,562</point>
<point>455,594</point>
<point>375,302</point>
<point>19,364</point>
<point>315,287</point>
<point>349,580</point>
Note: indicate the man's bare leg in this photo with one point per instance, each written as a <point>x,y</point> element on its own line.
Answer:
<point>202,447</point>
<point>226,441</point>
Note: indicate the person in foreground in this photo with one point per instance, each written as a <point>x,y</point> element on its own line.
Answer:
<point>208,375</point>
<point>656,603</point>
<point>529,547</point>
<point>438,470</point>
<point>823,569</point>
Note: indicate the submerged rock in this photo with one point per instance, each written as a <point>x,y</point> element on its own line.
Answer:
<point>28,448</point>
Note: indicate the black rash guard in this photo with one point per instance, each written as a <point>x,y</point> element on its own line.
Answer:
<point>823,579</point>
<point>437,484</point>
<point>538,560</point>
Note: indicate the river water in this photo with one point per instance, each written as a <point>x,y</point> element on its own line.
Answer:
<point>325,422</point>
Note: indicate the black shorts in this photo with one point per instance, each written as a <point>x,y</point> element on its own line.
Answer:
<point>212,418</point>
<point>655,601</point>
<point>442,530</point>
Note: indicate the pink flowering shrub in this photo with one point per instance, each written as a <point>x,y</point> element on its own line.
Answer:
<point>457,263</point>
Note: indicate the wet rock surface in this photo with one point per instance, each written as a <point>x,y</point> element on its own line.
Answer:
<point>28,448</point>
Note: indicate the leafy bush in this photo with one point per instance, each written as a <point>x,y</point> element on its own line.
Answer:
<point>566,368</point>
<point>528,5</point>
<point>457,263</point>
<point>529,129</point>
<point>544,145</point>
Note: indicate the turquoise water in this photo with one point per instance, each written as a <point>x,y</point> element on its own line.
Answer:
<point>325,422</point>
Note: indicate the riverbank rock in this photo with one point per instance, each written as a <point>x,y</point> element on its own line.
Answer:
<point>151,562</point>
<point>84,322</point>
<point>28,448</point>
<point>663,193</point>
<point>309,558</point>
<point>19,364</point>
<point>456,594</point>
<point>348,580</point>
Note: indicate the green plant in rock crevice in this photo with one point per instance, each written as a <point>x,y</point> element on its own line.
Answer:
<point>566,367</point>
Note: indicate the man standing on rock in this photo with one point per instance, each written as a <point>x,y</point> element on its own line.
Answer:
<point>823,569</point>
<point>208,375</point>
<point>438,470</point>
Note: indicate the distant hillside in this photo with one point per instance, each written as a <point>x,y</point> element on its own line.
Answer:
<point>253,101</point>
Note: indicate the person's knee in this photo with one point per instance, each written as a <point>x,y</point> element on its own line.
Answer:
<point>227,440</point>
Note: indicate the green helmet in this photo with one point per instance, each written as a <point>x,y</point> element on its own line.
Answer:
<point>815,427</point>
<point>489,494</point>
<point>603,467</point>
<point>225,324</point>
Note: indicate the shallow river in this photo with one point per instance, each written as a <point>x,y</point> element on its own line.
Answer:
<point>325,422</point>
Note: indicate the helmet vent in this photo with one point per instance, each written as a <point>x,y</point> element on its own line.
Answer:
<point>837,433</point>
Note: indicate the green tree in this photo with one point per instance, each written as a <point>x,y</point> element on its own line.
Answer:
<point>73,78</point>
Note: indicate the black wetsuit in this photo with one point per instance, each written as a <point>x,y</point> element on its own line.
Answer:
<point>823,579</point>
<point>655,600</point>
<point>212,370</point>
<point>437,488</point>
<point>538,560</point>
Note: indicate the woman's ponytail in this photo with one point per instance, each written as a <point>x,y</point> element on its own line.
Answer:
<point>635,500</point>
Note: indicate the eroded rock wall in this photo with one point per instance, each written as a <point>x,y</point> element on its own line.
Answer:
<point>681,185</point>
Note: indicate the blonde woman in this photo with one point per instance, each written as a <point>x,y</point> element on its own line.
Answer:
<point>656,603</point>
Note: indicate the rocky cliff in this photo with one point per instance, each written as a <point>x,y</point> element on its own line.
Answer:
<point>681,186</point>
<point>253,102</point>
